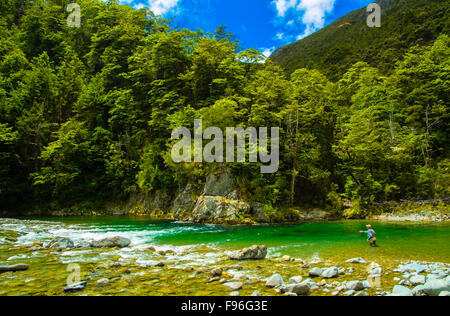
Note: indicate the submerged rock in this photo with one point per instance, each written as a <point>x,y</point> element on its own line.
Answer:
<point>315,272</point>
<point>14,268</point>
<point>356,260</point>
<point>400,290</point>
<point>252,253</point>
<point>298,289</point>
<point>234,285</point>
<point>61,243</point>
<point>117,241</point>
<point>330,273</point>
<point>355,285</point>
<point>275,280</point>
<point>295,280</point>
<point>75,287</point>
<point>417,280</point>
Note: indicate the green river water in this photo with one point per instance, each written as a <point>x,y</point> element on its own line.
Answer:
<point>198,249</point>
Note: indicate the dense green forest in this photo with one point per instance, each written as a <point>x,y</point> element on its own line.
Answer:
<point>86,113</point>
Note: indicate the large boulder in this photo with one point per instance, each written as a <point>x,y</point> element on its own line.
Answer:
<point>252,253</point>
<point>60,243</point>
<point>275,281</point>
<point>214,209</point>
<point>435,287</point>
<point>119,242</point>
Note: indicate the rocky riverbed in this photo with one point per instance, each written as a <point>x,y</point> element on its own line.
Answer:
<point>115,266</point>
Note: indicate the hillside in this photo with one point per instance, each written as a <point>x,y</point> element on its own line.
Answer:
<point>335,48</point>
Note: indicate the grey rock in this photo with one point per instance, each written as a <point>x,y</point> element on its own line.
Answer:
<point>275,280</point>
<point>418,291</point>
<point>315,272</point>
<point>60,242</point>
<point>311,284</point>
<point>349,293</point>
<point>252,253</point>
<point>219,185</point>
<point>435,287</point>
<point>400,290</point>
<point>417,280</point>
<point>112,242</point>
<point>330,273</point>
<point>354,285</point>
<point>444,293</point>
<point>295,280</point>
<point>75,287</point>
<point>298,289</point>
<point>211,209</point>
<point>361,294</point>
<point>256,293</point>
<point>413,267</point>
<point>356,260</point>
<point>234,285</point>
<point>14,268</point>
<point>103,282</point>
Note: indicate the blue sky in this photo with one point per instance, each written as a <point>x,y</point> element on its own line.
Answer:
<point>261,24</point>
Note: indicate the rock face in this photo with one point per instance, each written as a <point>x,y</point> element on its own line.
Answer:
<point>117,241</point>
<point>14,268</point>
<point>252,253</point>
<point>60,242</point>
<point>219,185</point>
<point>209,209</point>
<point>185,202</point>
<point>275,280</point>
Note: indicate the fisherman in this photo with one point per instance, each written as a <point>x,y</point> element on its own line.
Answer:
<point>372,240</point>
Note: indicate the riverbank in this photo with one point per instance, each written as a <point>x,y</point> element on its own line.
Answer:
<point>190,260</point>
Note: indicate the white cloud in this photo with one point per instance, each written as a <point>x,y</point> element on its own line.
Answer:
<point>160,7</point>
<point>284,5</point>
<point>267,51</point>
<point>312,13</point>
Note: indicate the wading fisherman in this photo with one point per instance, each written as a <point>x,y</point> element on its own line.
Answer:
<point>372,240</point>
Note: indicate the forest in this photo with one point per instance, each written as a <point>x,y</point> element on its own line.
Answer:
<point>86,114</point>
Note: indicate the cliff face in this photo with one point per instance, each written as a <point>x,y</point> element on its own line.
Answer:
<point>335,48</point>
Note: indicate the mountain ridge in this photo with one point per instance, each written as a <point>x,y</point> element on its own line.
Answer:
<point>336,47</point>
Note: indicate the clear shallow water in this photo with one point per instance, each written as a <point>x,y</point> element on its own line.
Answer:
<point>333,240</point>
<point>198,249</point>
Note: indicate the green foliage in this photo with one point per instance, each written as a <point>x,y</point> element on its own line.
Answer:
<point>86,114</point>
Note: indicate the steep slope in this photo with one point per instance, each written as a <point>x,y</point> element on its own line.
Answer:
<point>335,48</point>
